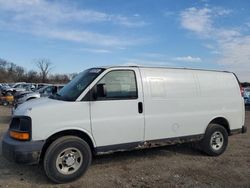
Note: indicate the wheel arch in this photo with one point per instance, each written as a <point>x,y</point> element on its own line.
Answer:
<point>30,98</point>
<point>71,132</point>
<point>221,121</point>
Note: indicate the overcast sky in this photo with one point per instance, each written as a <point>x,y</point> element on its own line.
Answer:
<point>76,35</point>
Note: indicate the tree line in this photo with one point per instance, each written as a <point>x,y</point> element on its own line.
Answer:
<point>10,72</point>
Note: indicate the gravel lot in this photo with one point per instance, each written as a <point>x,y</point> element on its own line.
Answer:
<point>174,166</point>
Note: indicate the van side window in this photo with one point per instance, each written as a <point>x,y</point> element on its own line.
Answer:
<point>119,84</point>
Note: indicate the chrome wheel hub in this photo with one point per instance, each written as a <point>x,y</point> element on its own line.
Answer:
<point>69,161</point>
<point>217,140</point>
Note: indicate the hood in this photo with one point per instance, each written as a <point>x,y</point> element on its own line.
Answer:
<point>33,94</point>
<point>27,107</point>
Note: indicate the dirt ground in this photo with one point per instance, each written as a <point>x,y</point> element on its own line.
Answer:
<point>170,166</point>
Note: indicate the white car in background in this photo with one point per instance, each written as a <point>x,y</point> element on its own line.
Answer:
<point>42,92</point>
<point>17,87</point>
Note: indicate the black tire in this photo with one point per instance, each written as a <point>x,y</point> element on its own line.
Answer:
<point>206,143</point>
<point>5,103</point>
<point>56,148</point>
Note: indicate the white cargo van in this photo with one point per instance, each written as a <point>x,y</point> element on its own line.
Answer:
<point>104,110</point>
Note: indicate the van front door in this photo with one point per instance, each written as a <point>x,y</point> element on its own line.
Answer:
<point>117,111</point>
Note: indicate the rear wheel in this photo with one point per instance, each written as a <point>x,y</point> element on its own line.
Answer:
<point>215,140</point>
<point>67,159</point>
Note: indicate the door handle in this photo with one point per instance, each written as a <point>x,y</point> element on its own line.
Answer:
<point>140,107</point>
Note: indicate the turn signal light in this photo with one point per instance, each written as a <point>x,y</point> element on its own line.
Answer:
<point>19,135</point>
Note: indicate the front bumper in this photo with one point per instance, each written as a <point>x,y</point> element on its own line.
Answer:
<point>21,152</point>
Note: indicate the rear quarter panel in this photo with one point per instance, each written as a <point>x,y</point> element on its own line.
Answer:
<point>181,102</point>
<point>220,97</point>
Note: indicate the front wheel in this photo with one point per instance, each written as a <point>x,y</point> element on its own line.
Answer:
<point>215,140</point>
<point>5,103</point>
<point>66,159</point>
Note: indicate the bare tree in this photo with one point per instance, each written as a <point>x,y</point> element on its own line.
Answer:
<point>32,76</point>
<point>44,66</point>
<point>72,76</point>
<point>11,72</point>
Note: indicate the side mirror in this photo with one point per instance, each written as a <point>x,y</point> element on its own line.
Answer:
<point>99,91</point>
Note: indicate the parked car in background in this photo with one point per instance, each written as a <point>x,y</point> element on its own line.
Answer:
<point>3,88</point>
<point>50,90</point>
<point>6,99</point>
<point>22,87</point>
<point>246,95</point>
<point>40,85</point>
<point>12,88</point>
<point>31,87</point>
<point>42,92</point>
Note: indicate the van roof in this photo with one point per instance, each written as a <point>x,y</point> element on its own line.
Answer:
<point>159,67</point>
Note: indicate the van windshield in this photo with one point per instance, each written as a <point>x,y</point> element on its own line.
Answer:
<point>72,90</point>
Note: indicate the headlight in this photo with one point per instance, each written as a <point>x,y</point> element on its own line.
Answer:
<point>20,128</point>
